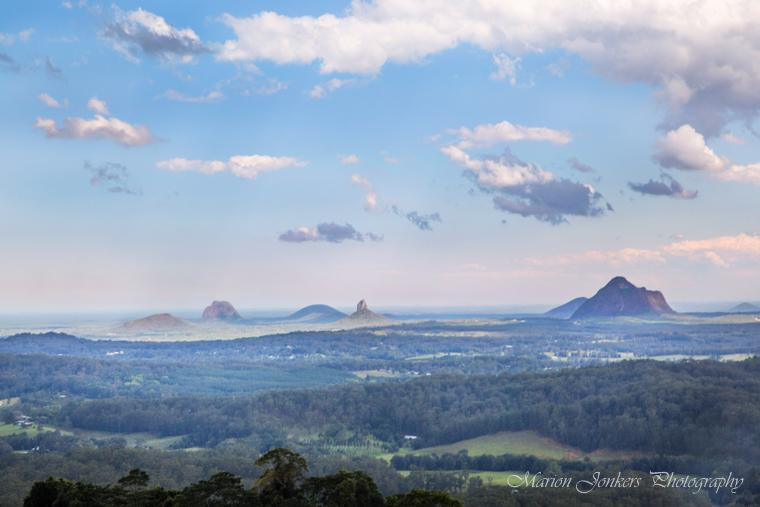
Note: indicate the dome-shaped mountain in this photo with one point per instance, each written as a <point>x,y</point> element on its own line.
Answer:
<point>317,314</point>
<point>220,310</point>
<point>745,308</point>
<point>157,322</point>
<point>620,297</point>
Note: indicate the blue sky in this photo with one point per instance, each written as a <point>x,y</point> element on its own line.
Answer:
<point>429,154</point>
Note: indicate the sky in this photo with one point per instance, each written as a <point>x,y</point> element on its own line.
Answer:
<point>432,153</point>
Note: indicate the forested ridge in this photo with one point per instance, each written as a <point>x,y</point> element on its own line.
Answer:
<point>697,408</point>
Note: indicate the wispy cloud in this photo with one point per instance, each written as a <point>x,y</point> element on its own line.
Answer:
<point>506,68</point>
<point>579,166</point>
<point>112,177</point>
<point>666,186</point>
<point>48,100</point>
<point>213,96</point>
<point>720,251</point>
<point>489,134</point>
<point>349,159</point>
<point>422,221</point>
<point>370,199</point>
<point>320,91</point>
<point>242,166</point>
<point>328,231</point>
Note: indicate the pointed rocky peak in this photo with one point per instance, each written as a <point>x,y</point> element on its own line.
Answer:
<point>364,314</point>
<point>619,282</point>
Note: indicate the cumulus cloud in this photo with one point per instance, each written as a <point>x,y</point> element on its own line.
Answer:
<point>579,166</point>
<point>666,186</point>
<point>213,96</point>
<point>686,149</point>
<point>370,199</point>
<point>489,134</point>
<point>99,127</point>
<point>422,221</point>
<point>327,231</point>
<point>242,166</point>
<point>112,177</point>
<point>48,100</point>
<point>680,47</point>
<point>528,190</point>
<point>142,32</point>
<point>321,90</point>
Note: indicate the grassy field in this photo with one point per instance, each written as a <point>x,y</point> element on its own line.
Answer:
<point>489,478</point>
<point>12,429</point>
<point>520,443</point>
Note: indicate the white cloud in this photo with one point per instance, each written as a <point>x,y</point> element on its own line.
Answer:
<point>370,199</point>
<point>48,100</point>
<point>506,68</point>
<point>497,172</point>
<point>99,127</point>
<point>98,106</point>
<point>685,148</point>
<point>749,173</point>
<point>680,46</point>
<point>213,96</point>
<point>491,133</point>
<point>242,166</point>
<point>141,31</point>
<point>349,159</point>
<point>321,90</point>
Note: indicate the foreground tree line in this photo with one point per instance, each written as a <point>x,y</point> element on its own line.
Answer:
<point>284,483</point>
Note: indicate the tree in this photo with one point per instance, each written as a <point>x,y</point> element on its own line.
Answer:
<point>344,489</point>
<point>135,479</point>
<point>283,476</point>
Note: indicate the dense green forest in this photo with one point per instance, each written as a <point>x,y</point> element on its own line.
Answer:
<point>695,408</point>
<point>284,481</point>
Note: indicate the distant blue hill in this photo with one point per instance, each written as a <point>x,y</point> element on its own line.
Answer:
<point>317,314</point>
<point>567,310</point>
